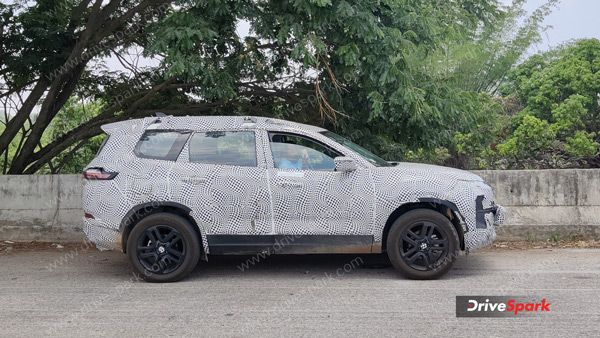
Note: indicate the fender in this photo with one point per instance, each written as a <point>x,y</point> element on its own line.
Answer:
<point>448,204</point>
<point>140,210</point>
<point>144,208</point>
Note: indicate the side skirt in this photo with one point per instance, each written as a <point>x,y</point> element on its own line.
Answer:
<point>288,244</point>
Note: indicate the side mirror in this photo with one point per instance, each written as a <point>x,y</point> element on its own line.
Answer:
<point>344,164</point>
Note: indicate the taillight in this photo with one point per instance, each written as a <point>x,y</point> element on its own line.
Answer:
<point>98,174</point>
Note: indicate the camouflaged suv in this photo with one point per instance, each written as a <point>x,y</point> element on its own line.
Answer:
<point>168,191</point>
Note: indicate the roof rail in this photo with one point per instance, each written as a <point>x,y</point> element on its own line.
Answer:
<point>275,121</point>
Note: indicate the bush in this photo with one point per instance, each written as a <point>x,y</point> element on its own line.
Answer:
<point>435,156</point>
<point>569,114</point>
<point>558,91</point>
<point>530,138</point>
<point>581,145</point>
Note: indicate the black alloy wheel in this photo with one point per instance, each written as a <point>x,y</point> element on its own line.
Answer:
<point>163,247</point>
<point>422,244</point>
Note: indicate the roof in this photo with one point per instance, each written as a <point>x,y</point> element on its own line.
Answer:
<point>211,123</point>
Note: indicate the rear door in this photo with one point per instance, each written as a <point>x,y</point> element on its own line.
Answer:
<point>225,183</point>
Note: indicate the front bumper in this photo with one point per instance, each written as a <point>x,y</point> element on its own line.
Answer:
<point>499,215</point>
<point>98,233</point>
<point>484,234</point>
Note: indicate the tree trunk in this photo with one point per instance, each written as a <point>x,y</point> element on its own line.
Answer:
<point>58,94</point>
<point>14,125</point>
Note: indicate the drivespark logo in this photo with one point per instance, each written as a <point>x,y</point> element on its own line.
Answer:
<point>500,306</point>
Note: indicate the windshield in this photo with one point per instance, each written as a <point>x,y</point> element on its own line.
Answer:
<point>364,153</point>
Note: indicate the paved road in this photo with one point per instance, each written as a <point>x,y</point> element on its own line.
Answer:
<point>93,293</point>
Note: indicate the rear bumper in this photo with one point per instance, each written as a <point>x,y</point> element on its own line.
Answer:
<point>98,233</point>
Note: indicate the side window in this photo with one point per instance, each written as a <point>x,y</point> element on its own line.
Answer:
<point>301,153</point>
<point>224,147</point>
<point>161,144</point>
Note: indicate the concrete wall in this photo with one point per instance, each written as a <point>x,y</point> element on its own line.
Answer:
<point>40,207</point>
<point>540,203</point>
<point>547,203</point>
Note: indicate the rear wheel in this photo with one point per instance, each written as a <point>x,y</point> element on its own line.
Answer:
<point>422,244</point>
<point>163,248</point>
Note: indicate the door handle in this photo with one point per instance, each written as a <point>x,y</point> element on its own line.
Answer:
<point>292,184</point>
<point>194,179</point>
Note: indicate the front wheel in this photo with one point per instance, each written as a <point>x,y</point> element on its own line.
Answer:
<point>163,248</point>
<point>422,244</point>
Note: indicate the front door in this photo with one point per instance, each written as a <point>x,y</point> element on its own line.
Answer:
<point>311,199</point>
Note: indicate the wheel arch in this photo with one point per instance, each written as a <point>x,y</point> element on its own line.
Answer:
<point>143,210</point>
<point>446,208</point>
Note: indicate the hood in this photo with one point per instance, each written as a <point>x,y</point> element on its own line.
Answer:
<point>419,169</point>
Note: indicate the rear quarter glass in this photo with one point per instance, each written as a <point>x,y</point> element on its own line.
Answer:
<point>161,144</point>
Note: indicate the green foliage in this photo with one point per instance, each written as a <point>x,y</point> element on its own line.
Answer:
<point>473,142</point>
<point>480,61</point>
<point>558,91</point>
<point>74,113</point>
<point>569,115</point>
<point>366,57</point>
<point>582,144</point>
<point>34,40</point>
<point>8,156</point>
<point>552,77</point>
<point>442,95</point>
<point>533,135</point>
<point>437,155</point>
<point>414,80</point>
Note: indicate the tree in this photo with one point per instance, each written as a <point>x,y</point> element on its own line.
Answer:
<point>343,64</point>
<point>560,119</point>
<point>74,113</point>
<point>46,49</point>
<point>458,113</point>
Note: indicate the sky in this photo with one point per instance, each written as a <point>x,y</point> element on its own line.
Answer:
<point>573,19</point>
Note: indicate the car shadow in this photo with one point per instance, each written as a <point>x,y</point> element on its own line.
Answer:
<point>375,266</point>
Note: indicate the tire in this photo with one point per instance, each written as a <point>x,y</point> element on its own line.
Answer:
<point>422,244</point>
<point>163,248</point>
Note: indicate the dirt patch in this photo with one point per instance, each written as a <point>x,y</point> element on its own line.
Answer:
<point>525,245</point>
<point>7,247</point>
